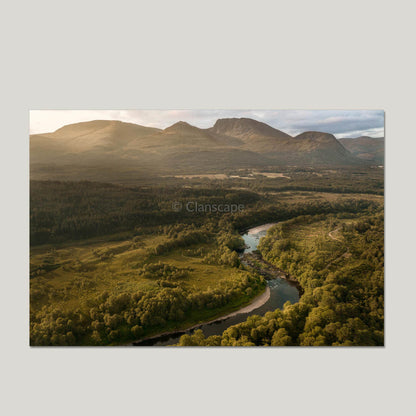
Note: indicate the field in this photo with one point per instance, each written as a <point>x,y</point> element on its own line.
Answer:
<point>69,277</point>
<point>86,268</point>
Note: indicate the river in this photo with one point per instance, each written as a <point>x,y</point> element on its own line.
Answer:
<point>280,289</point>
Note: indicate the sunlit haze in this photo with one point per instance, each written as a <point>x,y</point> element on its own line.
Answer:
<point>341,123</point>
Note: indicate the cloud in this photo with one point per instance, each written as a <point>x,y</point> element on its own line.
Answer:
<point>335,122</point>
<point>341,123</point>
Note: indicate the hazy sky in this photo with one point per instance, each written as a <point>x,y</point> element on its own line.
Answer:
<point>341,123</point>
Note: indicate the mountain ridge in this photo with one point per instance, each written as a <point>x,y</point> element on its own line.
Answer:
<point>245,127</point>
<point>111,145</point>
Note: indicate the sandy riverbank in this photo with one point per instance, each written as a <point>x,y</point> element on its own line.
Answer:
<point>261,228</point>
<point>256,303</point>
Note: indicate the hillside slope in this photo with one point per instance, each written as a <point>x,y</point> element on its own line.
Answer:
<point>366,148</point>
<point>102,149</point>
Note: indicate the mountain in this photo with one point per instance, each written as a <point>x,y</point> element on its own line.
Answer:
<point>319,148</point>
<point>245,128</point>
<point>102,149</point>
<point>249,134</point>
<point>309,148</point>
<point>366,148</point>
<point>82,139</point>
<point>184,135</point>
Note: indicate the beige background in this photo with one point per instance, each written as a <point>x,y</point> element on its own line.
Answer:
<point>217,54</point>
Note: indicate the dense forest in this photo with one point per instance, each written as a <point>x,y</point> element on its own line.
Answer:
<point>343,282</point>
<point>79,210</point>
<point>61,211</point>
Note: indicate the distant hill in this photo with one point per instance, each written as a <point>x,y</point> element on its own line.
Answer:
<point>250,134</point>
<point>366,148</point>
<point>102,149</point>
